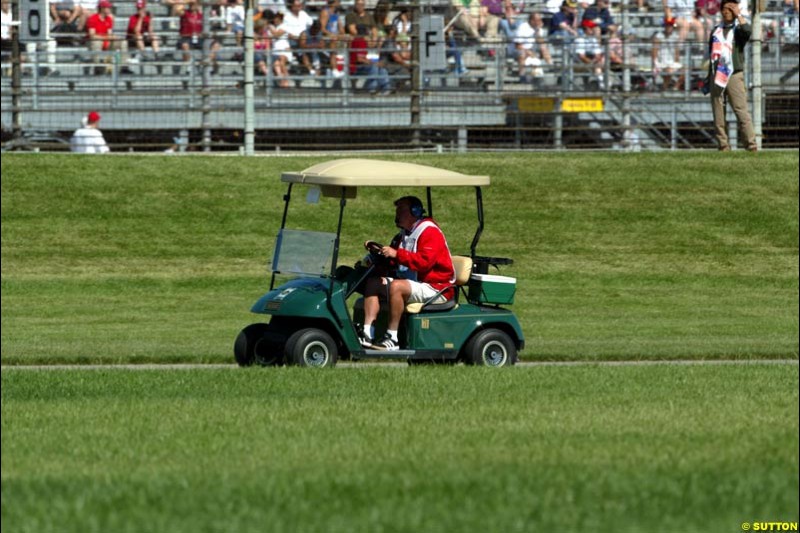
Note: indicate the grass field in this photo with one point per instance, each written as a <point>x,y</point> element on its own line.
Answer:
<point>579,448</point>
<point>686,255</point>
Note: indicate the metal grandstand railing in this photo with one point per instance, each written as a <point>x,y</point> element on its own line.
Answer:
<point>479,101</point>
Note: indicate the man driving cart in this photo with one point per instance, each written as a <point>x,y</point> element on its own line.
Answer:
<point>423,270</point>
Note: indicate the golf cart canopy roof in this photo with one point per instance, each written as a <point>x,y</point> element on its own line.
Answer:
<point>373,173</point>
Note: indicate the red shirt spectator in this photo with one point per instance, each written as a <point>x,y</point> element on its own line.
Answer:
<point>191,23</point>
<point>102,23</point>
<point>358,53</point>
<point>145,29</point>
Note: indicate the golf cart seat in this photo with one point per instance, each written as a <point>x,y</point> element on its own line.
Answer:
<point>463,268</point>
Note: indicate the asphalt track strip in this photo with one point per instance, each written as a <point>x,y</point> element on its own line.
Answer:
<point>403,364</point>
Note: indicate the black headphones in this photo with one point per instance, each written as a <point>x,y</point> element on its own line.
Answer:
<point>415,207</point>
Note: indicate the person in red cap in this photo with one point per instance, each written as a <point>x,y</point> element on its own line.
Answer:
<point>88,139</point>
<point>140,34</point>
<point>600,16</point>
<point>99,33</point>
<point>589,51</point>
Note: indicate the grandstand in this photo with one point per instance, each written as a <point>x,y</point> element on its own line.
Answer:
<point>479,101</point>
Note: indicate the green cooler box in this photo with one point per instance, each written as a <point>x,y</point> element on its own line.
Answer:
<point>489,289</point>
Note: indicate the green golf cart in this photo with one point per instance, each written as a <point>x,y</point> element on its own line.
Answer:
<point>310,322</point>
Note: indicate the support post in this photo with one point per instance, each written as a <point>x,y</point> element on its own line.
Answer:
<point>249,99</point>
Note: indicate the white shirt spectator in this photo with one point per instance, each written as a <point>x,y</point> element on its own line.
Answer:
<point>7,23</point>
<point>667,48</point>
<point>526,35</point>
<point>234,16</point>
<point>87,140</point>
<point>587,45</point>
<point>296,25</point>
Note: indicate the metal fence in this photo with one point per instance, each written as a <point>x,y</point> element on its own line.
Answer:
<point>483,99</point>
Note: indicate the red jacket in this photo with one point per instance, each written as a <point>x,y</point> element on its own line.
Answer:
<point>431,261</point>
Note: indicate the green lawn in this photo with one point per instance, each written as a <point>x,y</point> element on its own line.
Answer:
<point>577,448</point>
<point>639,256</point>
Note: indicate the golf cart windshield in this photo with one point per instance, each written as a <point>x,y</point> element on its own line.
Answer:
<point>307,253</point>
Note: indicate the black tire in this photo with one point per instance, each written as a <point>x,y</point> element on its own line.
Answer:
<point>490,347</point>
<point>244,349</point>
<point>430,362</point>
<point>311,347</point>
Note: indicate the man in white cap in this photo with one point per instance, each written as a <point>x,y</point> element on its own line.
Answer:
<point>88,139</point>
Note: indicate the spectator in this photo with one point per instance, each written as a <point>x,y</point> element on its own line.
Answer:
<point>140,31</point>
<point>88,8</point>
<point>281,50</point>
<point>7,29</point>
<point>359,22</point>
<point>727,62</point>
<point>332,22</point>
<point>396,52</point>
<point>313,47</point>
<point>600,16</point>
<point>261,44</point>
<point>588,50</point>
<point>66,16</point>
<point>467,13</point>
<point>88,139</point>
<point>100,36</point>
<point>492,11</point>
<point>563,24</point>
<point>295,22</point>
<point>191,35</point>
<point>615,52</point>
<point>454,52</point>
<point>234,20</point>
<point>707,11</point>
<point>531,48</point>
<point>402,22</point>
<point>508,24</point>
<point>176,7</point>
<point>666,55</point>
<point>364,63</point>
<point>682,11</point>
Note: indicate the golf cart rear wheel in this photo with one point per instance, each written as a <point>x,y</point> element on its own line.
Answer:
<point>491,347</point>
<point>311,347</point>
<point>244,349</point>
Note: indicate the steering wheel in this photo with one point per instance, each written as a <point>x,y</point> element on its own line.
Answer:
<point>374,248</point>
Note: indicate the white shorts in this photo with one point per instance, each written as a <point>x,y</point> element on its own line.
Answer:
<point>421,292</point>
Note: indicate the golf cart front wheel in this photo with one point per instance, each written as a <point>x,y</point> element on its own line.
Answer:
<point>311,347</point>
<point>491,347</point>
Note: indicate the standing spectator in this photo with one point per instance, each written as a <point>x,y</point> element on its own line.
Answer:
<point>726,54</point>
<point>295,22</point>
<point>88,139</point>
<point>359,22</point>
<point>140,31</point>
<point>363,63</point>
<point>100,35</point>
<point>600,16</point>
<point>685,19</point>
<point>563,25</point>
<point>191,35</point>
<point>234,20</point>
<point>588,50</point>
<point>531,48</point>
<point>665,55</point>
<point>312,48</point>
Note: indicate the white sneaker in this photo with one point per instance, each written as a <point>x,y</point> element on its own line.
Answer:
<point>364,338</point>
<point>387,343</point>
<point>134,60</point>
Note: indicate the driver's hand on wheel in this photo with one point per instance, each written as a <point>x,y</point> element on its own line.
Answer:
<point>388,251</point>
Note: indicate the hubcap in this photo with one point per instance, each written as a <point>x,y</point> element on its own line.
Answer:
<point>494,354</point>
<point>316,354</point>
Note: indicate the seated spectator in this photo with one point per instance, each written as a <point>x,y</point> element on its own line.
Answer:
<point>530,46</point>
<point>588,50</point>
<point>313,49</point>
<point>467,20</point>
<point>261,44</point>
<point>402,22</point>
<point>508,24</point>
<point>140,31</point>
<point>66,17</point>
<point>396,52</point>
<point>191,35</point>
<point>683,12</point>
<point>615,51</point>
<point>7,29</point>
<point>281,50</point>
<point>665,55</point>
<point>88,139</point>
<point>176,7</point>
<point>364,63</point>
<point>600,16</point>
<point>491,12</point>
<point>88,8</point>
<point>332,22</point>
<point>100,36</point>
<point>234,20</point>
<point>295,22</point>
<point>361,23</point>
<point>563,25</point>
